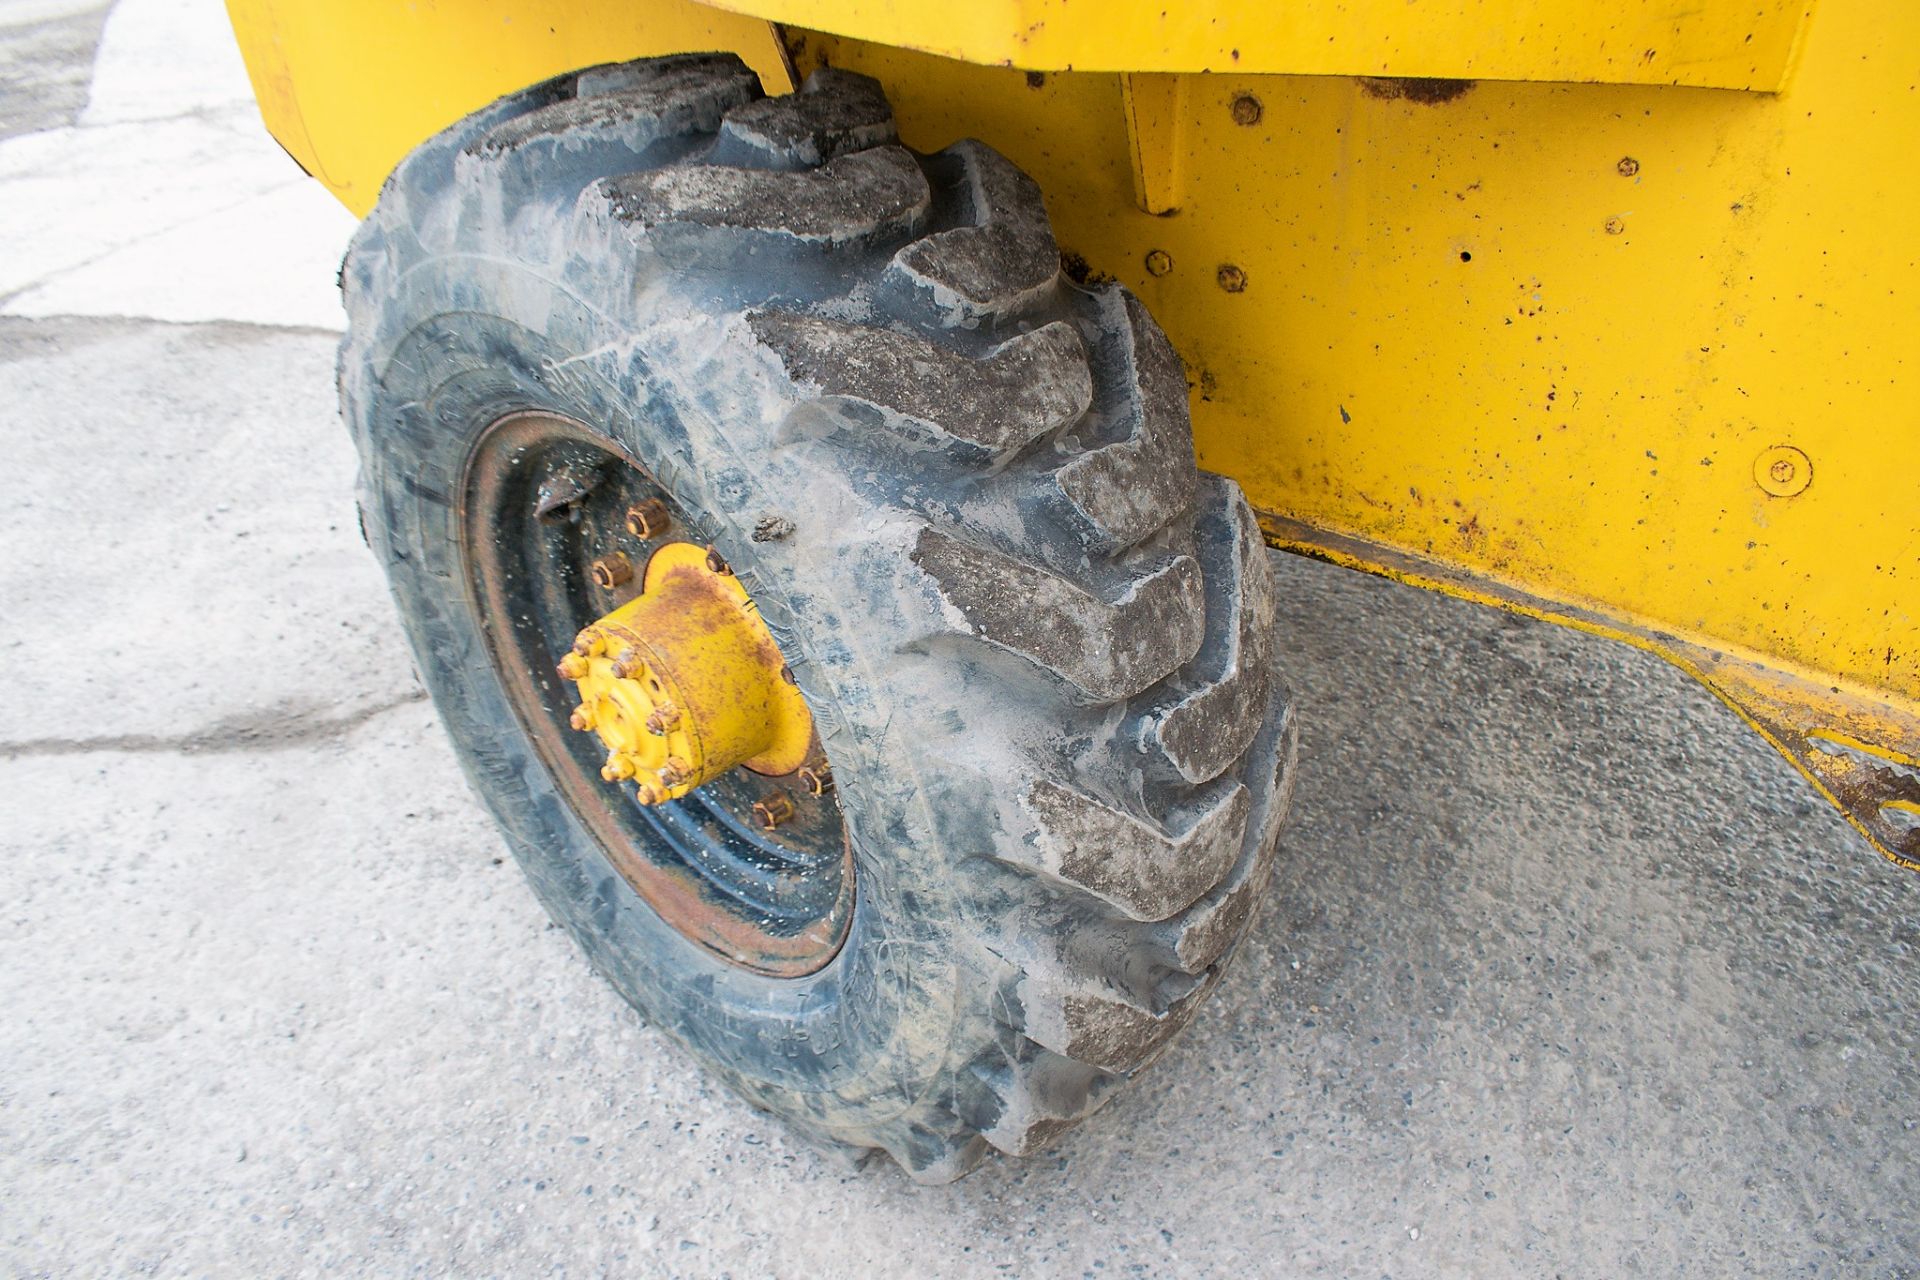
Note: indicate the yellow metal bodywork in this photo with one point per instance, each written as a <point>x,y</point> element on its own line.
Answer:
<point>684,681</point>
<point>1728,44</point>
<point>1540,344</point>
<point>350,86</point>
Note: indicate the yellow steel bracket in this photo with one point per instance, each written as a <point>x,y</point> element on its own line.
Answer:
<point>1154,105</point>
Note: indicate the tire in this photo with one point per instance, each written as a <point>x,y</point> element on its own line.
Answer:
<point>1037,641</point>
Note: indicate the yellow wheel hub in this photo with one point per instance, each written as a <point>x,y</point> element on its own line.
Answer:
<point>684,681</point>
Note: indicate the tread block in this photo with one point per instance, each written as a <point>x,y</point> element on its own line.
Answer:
<point>1141,868</point>
<point>1208,729</point>
<point>1041,1095</point>
<point>604,129</point>
<point>995,266</point>
<point>834,113</point>
<point>1199,936</point>
<point>1091,1022</point>
<point>1127,489</point>
<point>989,408</point>
<point>1106,649</point>
<point>853,200</point>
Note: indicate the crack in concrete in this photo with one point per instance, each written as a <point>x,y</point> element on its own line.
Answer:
<point>272,729</point>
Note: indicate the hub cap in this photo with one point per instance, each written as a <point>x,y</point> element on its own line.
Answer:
<point>683,682</point>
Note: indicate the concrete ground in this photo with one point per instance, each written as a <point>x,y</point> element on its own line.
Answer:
<point>1566,972</point>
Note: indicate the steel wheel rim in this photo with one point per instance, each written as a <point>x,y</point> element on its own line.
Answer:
<point>776,902</point>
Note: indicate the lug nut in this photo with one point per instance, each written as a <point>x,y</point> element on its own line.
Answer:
<point>817,777</point>
<point>648,519</point>
<point>610,571</point>
<point>675,771</point>
<point>589,644</point>
<point>663,720</point>
<point>774,810</point>
<point>649,793</point>
<point>617,769</point>
<point>629,664</point>
<point>716,563</point>
<point>582,717</point>
<point>573,667</point>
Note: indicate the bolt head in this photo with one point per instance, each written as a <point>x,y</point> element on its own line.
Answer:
<point>612,571</point>
<point>1159,262</point>
<point>1627,167</point>
<point>1246,110</point>
<point>774,810</point>
<point>716,563</point>
<point>1231,278</point>
<point>648,519</point>
<point>1783,471</point>
<point>1615,226</point>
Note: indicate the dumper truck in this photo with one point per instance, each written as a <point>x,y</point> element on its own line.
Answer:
<point>825,454</point>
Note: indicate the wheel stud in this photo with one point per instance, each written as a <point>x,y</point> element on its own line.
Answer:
<point>572,667</point>
<point>663,720</point>
<point>582,717</point>
<point>588,644</point>
<point>675,771</point>
<point>629,665</point>
<point>649,793</point>
<point>617,769</point>
<point>610,571</point>
<point>774,810</point>
<point>817,777</point>
<point>648,519</point>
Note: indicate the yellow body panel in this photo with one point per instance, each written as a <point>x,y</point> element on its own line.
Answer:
<point>1729,44</point>
<point>1545,345</point>
<point>351,86</point>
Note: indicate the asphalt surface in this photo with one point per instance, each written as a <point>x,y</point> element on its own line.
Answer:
<point>1565,973</point>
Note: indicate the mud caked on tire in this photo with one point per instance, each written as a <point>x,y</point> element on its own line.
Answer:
<point>1035,640</point>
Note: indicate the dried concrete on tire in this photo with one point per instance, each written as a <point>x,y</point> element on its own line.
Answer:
<point>1564,971</point>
